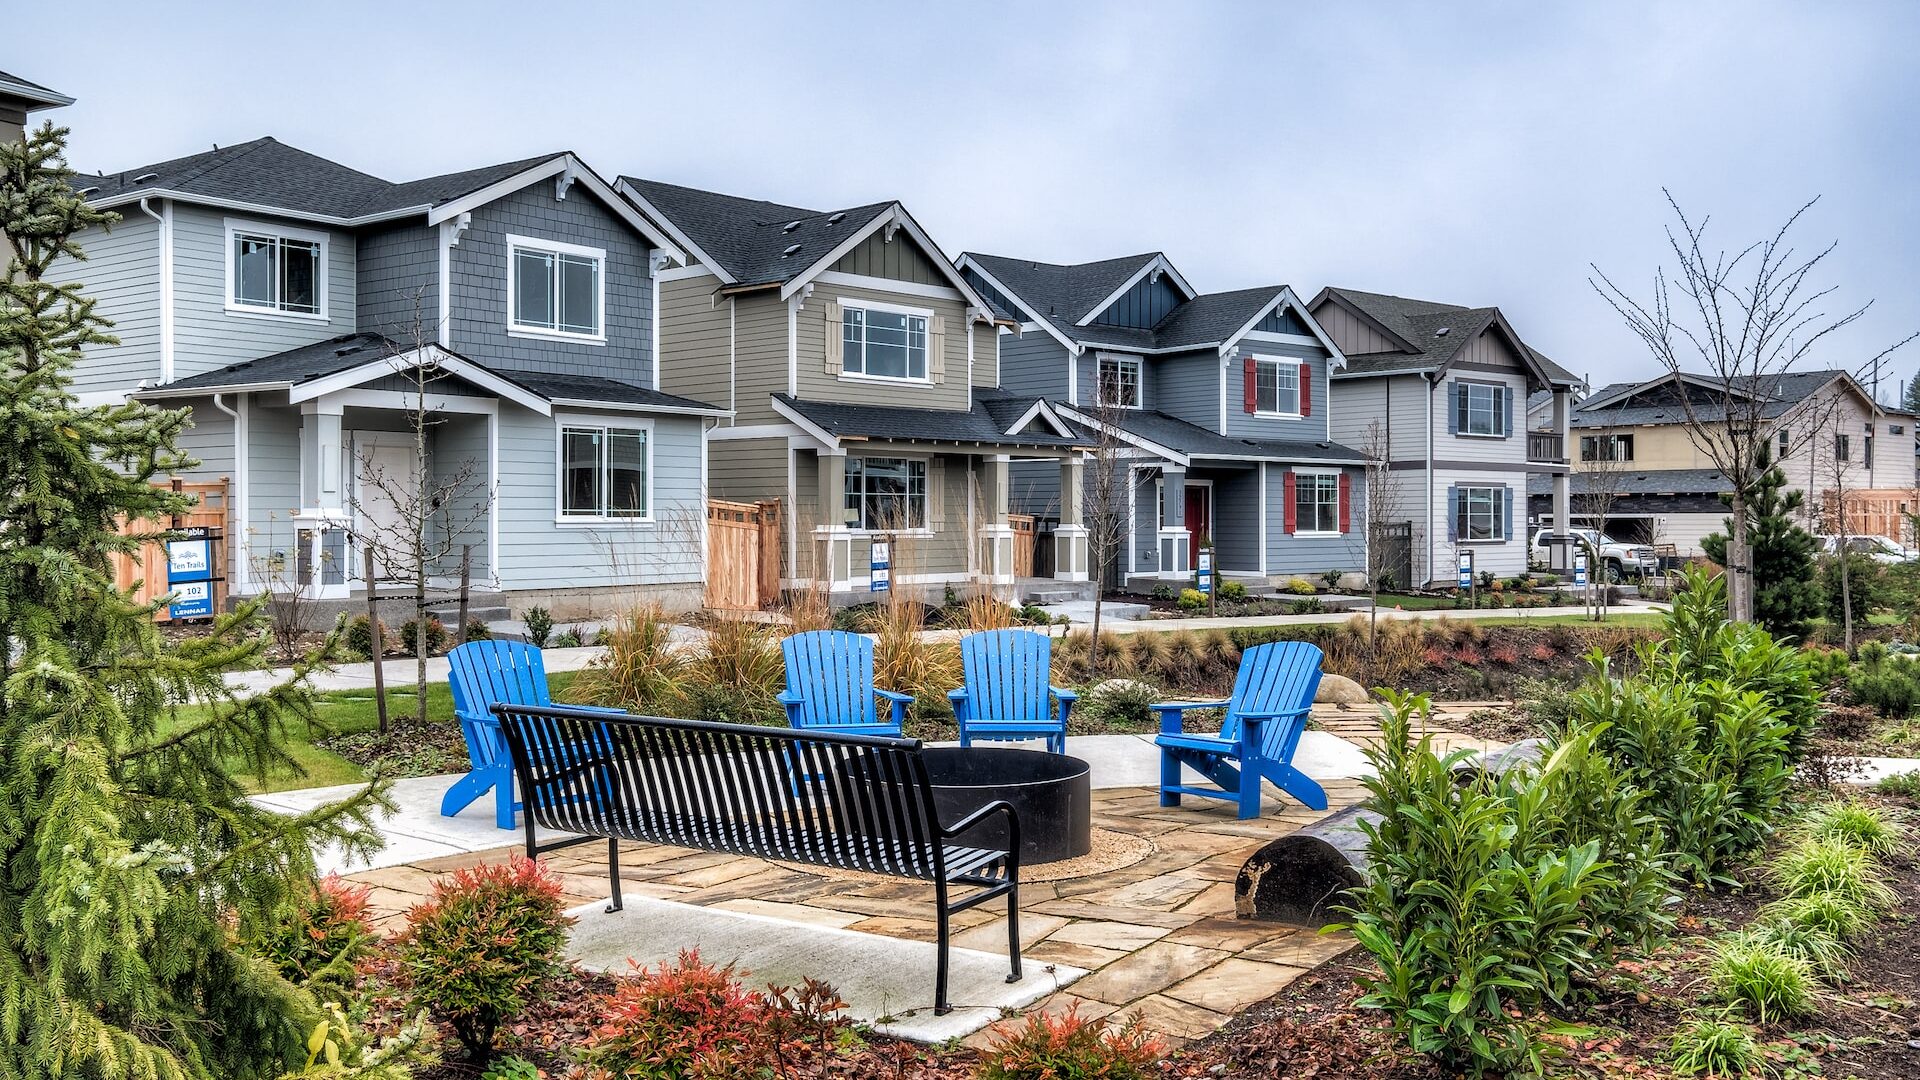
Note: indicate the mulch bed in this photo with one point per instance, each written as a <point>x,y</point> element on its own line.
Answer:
<point>409,748</point>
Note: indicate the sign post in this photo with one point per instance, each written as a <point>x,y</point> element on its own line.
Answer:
<point>190,575</point>
<point>1466,579</point>
<point>879,567</point>
<point>1203,577</point>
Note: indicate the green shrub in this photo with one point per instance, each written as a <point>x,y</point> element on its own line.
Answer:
<point>1162,591</point>
<point>567,639</point>
<point>1192,600</point>
<point>477,630</point>
<point>358,637</point>
<point>1892,689</point>
<point>1827,666</point>
<point>1833,915</point>
<point>1309,606</point>
<point>1476,912</point>
<point>482,946</point>
<point>1756,973</point>
<point>1715,1047</point>
<point>1299,586</point>
<point>511,1068</point>
<point>1906,784</point>
<point>1066,1046</point>
<point>336,1049</point>
<point>539,626</point>
<point>436,635</point>
<point>1119,704</point>
<point>1834,867</point>
<point>1856,824</point>
<point>1233,591</point>
<point>318,944</point>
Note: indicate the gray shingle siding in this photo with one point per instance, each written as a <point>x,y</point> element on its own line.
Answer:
<point>1033,363</point>
<point>479,287</point>
<point>400,281</point>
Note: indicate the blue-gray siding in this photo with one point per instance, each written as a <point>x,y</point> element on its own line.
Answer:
<point>1187,385</point>
<point>1289,555</point>
<point>993,295</point>
<point>208,336</point>
<point>1033,363</point>
<point>1244,425</point>
<point>1236,517</point>
<point>122,275</point>
<point>1283,321</point>
<point>459,466</point>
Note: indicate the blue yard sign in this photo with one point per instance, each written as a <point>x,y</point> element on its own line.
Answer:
<point>1580,571</point>
<point>879,571</point>
<point>1466,569</point>
<point>1203,573</point>
<point>190,576</point>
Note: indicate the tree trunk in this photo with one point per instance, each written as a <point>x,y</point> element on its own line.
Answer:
<point>1093,643</point>
<point>1740,563</point>
<point>1846,597</point>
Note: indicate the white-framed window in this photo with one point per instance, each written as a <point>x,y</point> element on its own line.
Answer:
<point>1614,447</point>
<point>1119,381</point>
<point>882,341</point>
<point>1316,502</point>
<point>556,290</point>
<point>1480,409</point>
<point>1276,386</point>
<point>1786,444</point>
<point>276,270</point>
<point>1481,513</point>
<point>606,471</point>
<point>886,494</point>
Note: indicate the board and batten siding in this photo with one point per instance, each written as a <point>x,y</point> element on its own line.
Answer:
<point>1292,555</point>
<point>479,324</point>
<point>536,552</point>
<point>122,275</point>
<point>1033,364</point>
<point>696,338</point>
<point>206,336</point>
<point>1354,335</point>
<point>898,258</point>
<point>400,282</point>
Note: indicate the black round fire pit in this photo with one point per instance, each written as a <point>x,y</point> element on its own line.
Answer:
<point>1050,792</point>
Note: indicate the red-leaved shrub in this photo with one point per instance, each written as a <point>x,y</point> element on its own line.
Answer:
<point>316,946</point>
<point>1503,655</point>
<point>1542,652</point>
<point>693,1021</point>
<point>483,946</point>
<point>1467,655</point>
<point>1435,657</point>
<point>1052,1046</point>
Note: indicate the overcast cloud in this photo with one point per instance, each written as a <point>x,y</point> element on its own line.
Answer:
<point>1472,153</point>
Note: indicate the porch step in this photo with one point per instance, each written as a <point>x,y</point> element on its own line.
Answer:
<point>491,612</point>
<point>1062,596</point>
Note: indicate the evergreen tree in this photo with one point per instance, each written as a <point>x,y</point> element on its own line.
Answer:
<point>132,867</point>
<point>1787,593</point>
<point>1910,401</point>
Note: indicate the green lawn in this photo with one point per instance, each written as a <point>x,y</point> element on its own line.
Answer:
<point>1389,601</point>
<point>349,711</point>
<point>1636,618</point>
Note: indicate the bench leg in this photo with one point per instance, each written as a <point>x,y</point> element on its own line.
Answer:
<point>940,1006</point>
<point>1013,926</point>
<point>613,874</point>
<point>1169,777</point>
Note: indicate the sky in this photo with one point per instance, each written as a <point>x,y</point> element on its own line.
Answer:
<point>1472,153</point>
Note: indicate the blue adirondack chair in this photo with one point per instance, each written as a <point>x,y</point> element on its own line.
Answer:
<point>1272,696</point>
<point>830,685</point>
<point>480,674</point>
<point>1008,692</point>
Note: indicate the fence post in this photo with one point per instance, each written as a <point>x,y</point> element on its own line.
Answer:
<point>379,644</point>
<point>466,583</point>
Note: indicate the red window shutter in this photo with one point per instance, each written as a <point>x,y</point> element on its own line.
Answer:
<point>1306,389</point>
<point>1346,499</point>
<point>1250,394</point>
<point>1286,500</point>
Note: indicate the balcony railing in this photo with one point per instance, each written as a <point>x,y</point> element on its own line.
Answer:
<point>1546,446</point>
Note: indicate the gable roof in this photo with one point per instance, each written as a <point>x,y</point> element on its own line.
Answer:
<point>35,95</point>
<point>1614,406</point>
<point>1432,334</point>
<point>268,176</point>
<point>746,241</point>
<point>1061,294</point>
<point>991,419</point>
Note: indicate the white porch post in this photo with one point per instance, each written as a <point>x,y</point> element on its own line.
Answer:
<point>324,517</point>
<point>1560,553</point>
<point>833,539</point>
<point>1070,536</point>
<point>1173,534</point>
<point>996,535</point>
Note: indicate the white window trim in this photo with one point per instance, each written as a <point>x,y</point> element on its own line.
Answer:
<point>1263,414</point>
<point>562,519</point>
<point>1499,413</point>
<point>1317,534</point>
<point>516,242</point>
<point>1139,365</point>
<point>236,226</point>
<point>895,309</point>
<point>1499,514</point>
<point>924,459</point>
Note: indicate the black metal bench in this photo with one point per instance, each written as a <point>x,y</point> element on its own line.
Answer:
<point>851,802</point>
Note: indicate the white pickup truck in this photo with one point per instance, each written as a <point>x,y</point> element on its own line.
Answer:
<point>1615,561</point>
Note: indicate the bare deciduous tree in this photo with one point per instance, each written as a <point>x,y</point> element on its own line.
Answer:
<point>1832,468</point>
<point>1740,321</point>
<point>1604,477</point>
<point>1386,504</point>
<point>1108,482</point>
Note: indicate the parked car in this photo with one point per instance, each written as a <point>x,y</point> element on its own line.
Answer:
<point>1878,548</point>
<point>1614,560</point>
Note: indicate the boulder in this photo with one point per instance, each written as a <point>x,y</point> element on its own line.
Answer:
<point>1340,690</point>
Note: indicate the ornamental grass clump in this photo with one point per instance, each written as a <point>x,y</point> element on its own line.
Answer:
<point>1757,973</point>
<point>1833,868</point>
<point>641,670</point>
<point>1855,824</point>
<point>483,947</point>
<point>1715,1046</point>
<point>1838,916</point>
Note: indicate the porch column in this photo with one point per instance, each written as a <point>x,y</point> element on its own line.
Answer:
<point>1173,536</point>
<point>1070,536</point>
<point>324,517</point>
<point>833,538</point>
<point>996,535</point>
<point>1560,553</point>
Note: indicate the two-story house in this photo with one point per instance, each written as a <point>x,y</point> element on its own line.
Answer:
<point>1639,466</point>
<point>296,305</point>
<point>1437,392</point>
<point>860,371</point>
<point>18,98</point>
<point>1218,402</point>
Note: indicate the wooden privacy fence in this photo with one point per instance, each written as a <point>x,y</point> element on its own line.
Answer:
<point>146,572</point>
<point>1023,540</point>
<point>743,554</point>
<point>1873,512</point>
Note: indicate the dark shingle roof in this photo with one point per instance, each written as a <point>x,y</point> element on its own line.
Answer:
<point>1439,331</point>
<point>1064,294</point>
<point>1783,392</point>
<point>1195,441</point>
<point>594,388</point>
<point>35,94</point>
<point>750,238</point>
<point>270,173</point>
<point>1638,482</point>
<point>978,424</point>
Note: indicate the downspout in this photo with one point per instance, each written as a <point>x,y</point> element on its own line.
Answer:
<point>237,570</point>
<point>165,244</point>
<point>1430,489</point>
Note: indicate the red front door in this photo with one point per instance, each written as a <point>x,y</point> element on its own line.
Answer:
<point>1199,520</point>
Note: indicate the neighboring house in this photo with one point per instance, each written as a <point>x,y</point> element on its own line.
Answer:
<point>289,300</point>
<point>1217,401</point>
<point>18,97</point>
<point>1635,454</point>
<point>1437,392</point>
<point>862,374</point>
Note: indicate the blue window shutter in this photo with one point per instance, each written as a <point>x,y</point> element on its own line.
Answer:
<point>1453,512</point>
<point>1506,500</point>
<point>1507,392</point>
<point>1454,403</point>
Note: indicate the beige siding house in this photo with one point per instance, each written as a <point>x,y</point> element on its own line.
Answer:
<point>862,372</point>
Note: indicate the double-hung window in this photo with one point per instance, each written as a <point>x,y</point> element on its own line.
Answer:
<point>1480,409</point>
<point>1606,447</point>
<point>1276,386</point>
<point>886,494</point>
<point>605,471</point>
<point>885,343</point>
<point>1481,513</point>
<point>276,270</point>
<point>1842,448</point>
<point>555,289</point>
<point>1866,448</point>
<point>1316,502</point>
<point>1120,382</point>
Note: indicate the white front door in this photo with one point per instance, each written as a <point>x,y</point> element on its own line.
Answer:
<point>386,481</point>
